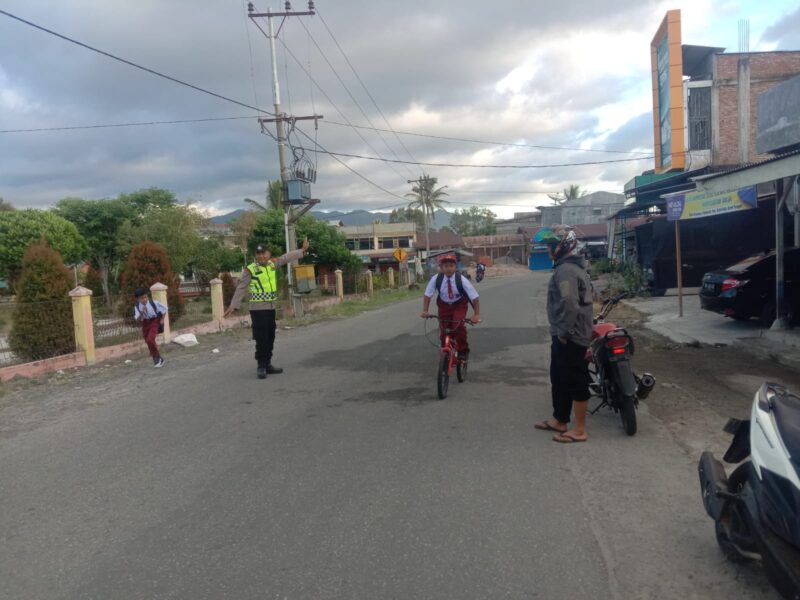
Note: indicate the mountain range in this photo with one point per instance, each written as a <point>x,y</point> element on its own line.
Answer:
<point>441,218</point>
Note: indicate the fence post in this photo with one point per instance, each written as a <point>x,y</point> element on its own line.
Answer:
<point>217,308</point>
<point>339,285</point>
<point>325,281</point>
<point>84,327</point>
<point>159,291</point>
<point>391,277</point>
<point>369,283</point>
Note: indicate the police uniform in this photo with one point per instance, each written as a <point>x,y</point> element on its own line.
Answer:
<point>261,282</point>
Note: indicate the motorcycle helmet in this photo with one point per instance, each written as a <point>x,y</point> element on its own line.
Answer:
<point>561,240</point>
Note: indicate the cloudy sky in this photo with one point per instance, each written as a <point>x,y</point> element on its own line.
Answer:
<point>572,75</point>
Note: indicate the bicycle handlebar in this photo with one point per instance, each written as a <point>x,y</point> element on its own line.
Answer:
<point>437,317</point>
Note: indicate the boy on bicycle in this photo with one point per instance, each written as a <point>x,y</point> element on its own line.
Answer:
<point>456,293</point>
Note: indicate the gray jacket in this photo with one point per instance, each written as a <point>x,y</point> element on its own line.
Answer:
<point>569,301</point>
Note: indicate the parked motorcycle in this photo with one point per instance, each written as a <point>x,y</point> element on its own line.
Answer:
<point>614,380</point>
<point>756,510</point>
<point>480,271</point>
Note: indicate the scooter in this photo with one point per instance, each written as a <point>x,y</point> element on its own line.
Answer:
<point>614,380</point>
<point>756,510</point>
<point>480,270</point>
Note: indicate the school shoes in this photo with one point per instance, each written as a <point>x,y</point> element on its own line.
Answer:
<point>158,362</point>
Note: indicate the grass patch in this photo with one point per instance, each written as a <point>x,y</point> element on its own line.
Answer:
<point>351,308</point>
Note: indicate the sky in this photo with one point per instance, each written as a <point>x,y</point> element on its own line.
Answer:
<point>573,76</point>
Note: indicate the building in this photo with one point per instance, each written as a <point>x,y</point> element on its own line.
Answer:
<point>509,247</point>
<point>589,209</point>
<point>705,114</point>
<point>521,221</point>
<point>376,243</point>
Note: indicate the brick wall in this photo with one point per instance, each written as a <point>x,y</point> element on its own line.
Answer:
<point>767,69</point>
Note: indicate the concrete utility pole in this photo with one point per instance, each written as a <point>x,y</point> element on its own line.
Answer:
<point>279,120</point>
<point>420,268</point>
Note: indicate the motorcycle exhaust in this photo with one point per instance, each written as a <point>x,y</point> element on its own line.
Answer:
<point>646,383</point>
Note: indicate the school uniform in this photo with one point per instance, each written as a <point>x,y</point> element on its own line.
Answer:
<point>452,305</point>
<point>150,320</point>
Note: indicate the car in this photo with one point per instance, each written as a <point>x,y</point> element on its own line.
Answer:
<point>746,290</point>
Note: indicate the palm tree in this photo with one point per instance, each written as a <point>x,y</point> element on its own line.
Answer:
<point>427,197</point>
<point>573,192</point>
<point>274,197</point>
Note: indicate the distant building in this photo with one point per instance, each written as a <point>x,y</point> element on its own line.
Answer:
<point>521,220</point>
<point>376,243</point>
<point>592,208</point>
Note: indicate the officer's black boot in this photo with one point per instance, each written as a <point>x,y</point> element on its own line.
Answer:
<point>273,370</point>
<point>262,370</point>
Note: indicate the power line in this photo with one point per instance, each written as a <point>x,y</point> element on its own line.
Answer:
<point>134,124</point>
<point>465,165</point>
<point>335,41</point>
<point>132,64</point>
<point>349,93</point>
<point>327,97</point>
<point>489,142</point>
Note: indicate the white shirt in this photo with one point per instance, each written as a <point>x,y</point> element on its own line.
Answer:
<point>147,312</point>
<point>469,289</point>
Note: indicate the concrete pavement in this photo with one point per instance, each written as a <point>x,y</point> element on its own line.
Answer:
<point>344,477</point>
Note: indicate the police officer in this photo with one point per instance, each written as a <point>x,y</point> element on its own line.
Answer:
<point>260,278</point>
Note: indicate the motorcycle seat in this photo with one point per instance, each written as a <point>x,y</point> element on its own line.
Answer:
<point>786,408</point>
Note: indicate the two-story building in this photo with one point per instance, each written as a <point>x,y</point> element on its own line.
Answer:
<point>376,243</point>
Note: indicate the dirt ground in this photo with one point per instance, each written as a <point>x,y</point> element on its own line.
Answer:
<point>698,387</point>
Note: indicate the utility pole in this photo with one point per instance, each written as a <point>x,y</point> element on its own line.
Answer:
<point>280,119</point>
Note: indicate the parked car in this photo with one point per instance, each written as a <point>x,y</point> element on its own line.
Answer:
<point>747,289</point>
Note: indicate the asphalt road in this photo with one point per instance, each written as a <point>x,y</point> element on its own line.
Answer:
<point>345,477</point>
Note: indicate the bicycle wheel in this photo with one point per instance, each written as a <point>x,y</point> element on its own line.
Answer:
<point>443,375</point>
<point>461,370</point>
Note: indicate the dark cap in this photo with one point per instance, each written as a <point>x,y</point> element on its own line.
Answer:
<point>261,248</point>
<point>140,292</point>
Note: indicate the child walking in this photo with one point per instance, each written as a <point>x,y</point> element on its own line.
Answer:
<point>151,315</point>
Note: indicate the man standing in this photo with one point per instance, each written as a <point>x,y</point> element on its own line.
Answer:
<point>260,278</point>
<point>569,311</point>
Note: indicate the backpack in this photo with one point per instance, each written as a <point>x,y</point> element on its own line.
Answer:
<point>459,285</point>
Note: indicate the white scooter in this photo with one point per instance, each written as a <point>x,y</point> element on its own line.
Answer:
<point>756,510</point>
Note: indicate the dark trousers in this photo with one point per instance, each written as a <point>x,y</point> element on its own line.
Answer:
<point>263,324</point>
<point>150,331</point>
<point>454,312</point>
<point>569,377</point>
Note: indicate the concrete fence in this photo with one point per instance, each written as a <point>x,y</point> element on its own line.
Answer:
<point>88,353</point>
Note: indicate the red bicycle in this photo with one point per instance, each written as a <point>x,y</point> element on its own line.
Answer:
<point>448,355</point>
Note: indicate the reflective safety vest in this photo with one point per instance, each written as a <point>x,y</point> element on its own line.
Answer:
<point>263,282</point>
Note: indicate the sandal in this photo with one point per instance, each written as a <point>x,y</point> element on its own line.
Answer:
<point>565,438</point>
<point>545,426</point>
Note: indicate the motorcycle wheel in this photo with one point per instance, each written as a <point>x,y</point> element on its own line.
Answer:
<point>627,412</point>
<point>729,549</point>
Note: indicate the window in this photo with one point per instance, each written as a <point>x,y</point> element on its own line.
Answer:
<point>365,244</point>
<point>350,244</point>
<point>386,243</point>
<point>699,118</point>
<point>597,211</point>
<point>404,242</point>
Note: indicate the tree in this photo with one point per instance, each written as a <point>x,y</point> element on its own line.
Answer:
<point>42,323</point>
<point>573,192</point>
<point>175,227</point>
<point>473,221</point>
<point>428,198</point>
<point>20,229</point>
<point>408,215</point>
<point>99,222</point>
<point>326,244</point>
<point>143,200</point>
<point>147,264</point>
<point>5,205</point>
<point>242,228</point>
<point>212,258</point>
<point>274,197</point>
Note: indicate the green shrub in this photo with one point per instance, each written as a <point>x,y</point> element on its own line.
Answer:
<point>42,323</point>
